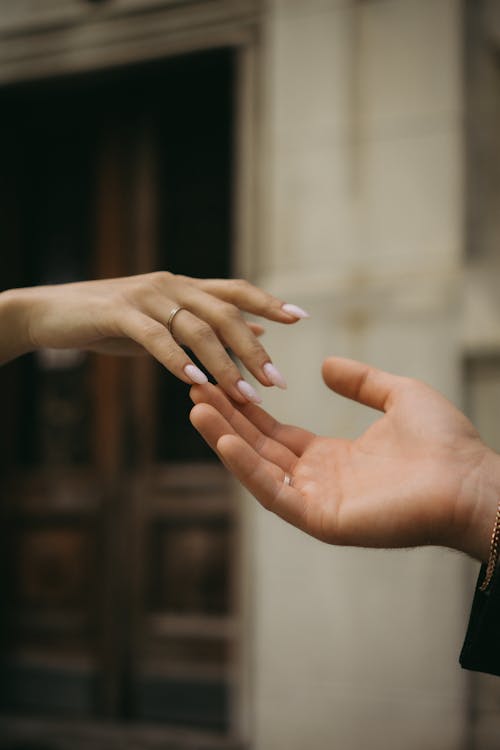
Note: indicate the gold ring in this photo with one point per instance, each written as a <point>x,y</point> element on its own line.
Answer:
<point>287,480</point>
<point>171,317</point>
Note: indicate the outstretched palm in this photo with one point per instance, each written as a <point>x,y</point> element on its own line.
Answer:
<point>406,481</point>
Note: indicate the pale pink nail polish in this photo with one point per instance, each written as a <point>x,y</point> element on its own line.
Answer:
<point>248,391</point>
<point>294,310</point>
<point>195,374</point>
<point>274,375</point>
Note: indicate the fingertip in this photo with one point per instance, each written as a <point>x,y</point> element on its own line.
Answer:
<point>360,382</point>
<point>194,393</point>
<point>195,375</point>
<point>248,392</point>
<point>223,450</point>
<point>261,375</point>
<point>193,414</point>
<point>327,366</point>
<point>236,390</point>
<point>333,366</point>
<point>226,444</point>
<point>256,329</point>
<point>286,318</point>
<point>196,414</point>
<point>274,376</point>
<point>294,312</point>
<point>200,415</point>
<point>199,393</point>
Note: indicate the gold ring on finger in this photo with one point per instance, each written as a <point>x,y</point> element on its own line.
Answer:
<point>170,321</point>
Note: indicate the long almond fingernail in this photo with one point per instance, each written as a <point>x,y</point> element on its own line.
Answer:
<point>195,374</point>
<point>248,391</point>
<point>295,310</point>
<point>274,375</point>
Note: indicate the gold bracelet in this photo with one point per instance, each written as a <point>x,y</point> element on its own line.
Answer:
<point>494,552</point>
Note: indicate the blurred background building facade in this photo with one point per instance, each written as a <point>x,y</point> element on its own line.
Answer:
<point>344,155</point>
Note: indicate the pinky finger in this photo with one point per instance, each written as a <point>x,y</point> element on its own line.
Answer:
<point>256,329</point>
<point>264,479</point>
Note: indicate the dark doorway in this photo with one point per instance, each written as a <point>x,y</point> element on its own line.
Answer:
<point>118,534</point>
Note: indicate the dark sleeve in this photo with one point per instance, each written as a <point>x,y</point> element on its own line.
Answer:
<point>481,649</point>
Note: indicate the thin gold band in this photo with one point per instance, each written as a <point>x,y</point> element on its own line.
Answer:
<point>494,553</point>
<point>171,317</point>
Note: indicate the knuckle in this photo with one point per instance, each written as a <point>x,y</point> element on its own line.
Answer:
<point>241,284</point>
<point>202,333</point>
<point>160,278</point>
<point>255,351</point>
<point>227,313</point>
<point>162,347</point>
<point>227,372</point>
<point>153,333</point>
<point>169,357</point>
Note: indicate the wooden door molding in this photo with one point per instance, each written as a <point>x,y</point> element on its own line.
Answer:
<point>76,735</point>
<point>82,37</point>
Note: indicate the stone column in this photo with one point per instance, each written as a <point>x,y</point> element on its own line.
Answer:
<point>361,185</point>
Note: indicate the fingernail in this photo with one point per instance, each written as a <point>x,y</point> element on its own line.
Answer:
<point>248,391</point>
<point>295,310</point>
<point>274,375</point>
<point>195,374</point>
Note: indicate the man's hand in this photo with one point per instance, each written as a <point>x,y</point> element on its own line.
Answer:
<point>419,475</point>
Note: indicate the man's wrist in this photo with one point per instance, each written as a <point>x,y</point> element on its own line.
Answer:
<point>484,505</point>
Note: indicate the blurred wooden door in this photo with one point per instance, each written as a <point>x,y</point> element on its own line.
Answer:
<point>118,532</point>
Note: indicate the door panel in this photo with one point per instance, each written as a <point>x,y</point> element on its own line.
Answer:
<point>118,526</point>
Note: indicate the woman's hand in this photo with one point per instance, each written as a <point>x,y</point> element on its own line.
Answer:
<point>419,475</point>
<point>131,315</point>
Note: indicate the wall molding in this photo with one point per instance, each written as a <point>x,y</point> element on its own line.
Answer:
<point>84,37</point>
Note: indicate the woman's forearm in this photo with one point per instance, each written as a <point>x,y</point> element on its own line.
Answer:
<point>161,313</point>
<point>14,324</point>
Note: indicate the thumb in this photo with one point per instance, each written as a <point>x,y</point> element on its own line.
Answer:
<point>361,382</point>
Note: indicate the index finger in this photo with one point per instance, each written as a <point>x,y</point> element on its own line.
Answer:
<point>212,425</point>
<point>238,424</point>
<point>294,438</point>
<point>263,479</point>
<point>250,298</point>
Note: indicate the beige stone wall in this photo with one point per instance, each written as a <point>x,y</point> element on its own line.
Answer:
<point>361,190</point>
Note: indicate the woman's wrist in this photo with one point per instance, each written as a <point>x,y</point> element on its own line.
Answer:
<point>15,309</point>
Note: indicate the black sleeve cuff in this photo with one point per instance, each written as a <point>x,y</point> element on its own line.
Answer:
<point>481,649</point>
